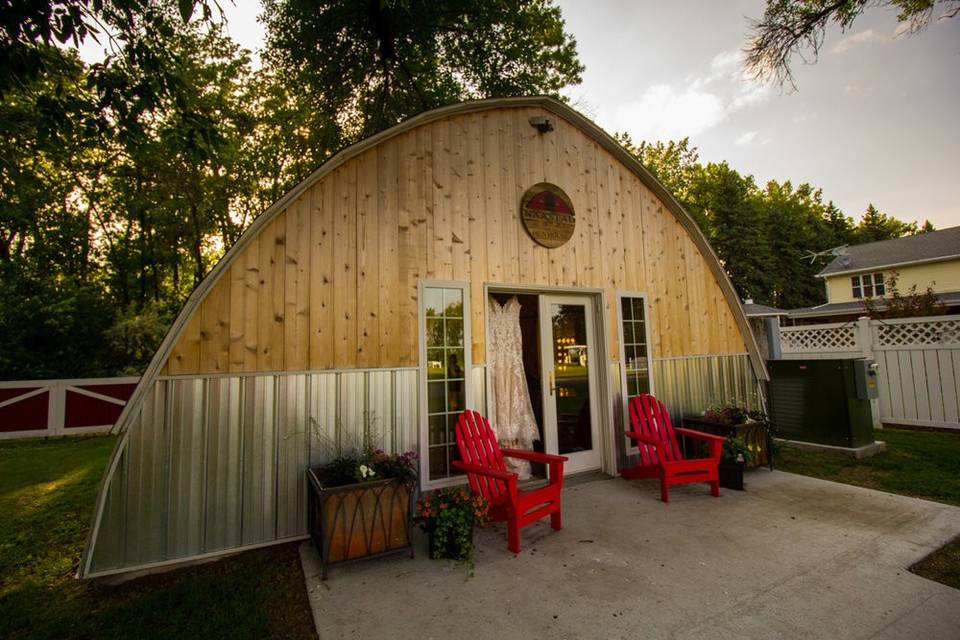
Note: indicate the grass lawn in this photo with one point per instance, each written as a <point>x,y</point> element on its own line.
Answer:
<point>47,494</point>
<point>922,464</point>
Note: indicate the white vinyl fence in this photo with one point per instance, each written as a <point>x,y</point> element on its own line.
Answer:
<point>918,359</point>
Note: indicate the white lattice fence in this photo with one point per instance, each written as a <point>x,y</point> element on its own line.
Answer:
<point>915,332</point>
<point>822,340</point>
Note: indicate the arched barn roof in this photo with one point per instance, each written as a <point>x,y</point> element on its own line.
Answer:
<point>552,105</point>
<point>561,110</point>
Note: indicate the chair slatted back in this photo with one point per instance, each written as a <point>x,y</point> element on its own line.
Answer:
<point>478,446</point>
<point>649,417</point>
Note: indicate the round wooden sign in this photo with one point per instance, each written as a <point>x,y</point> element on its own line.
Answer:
<point>547,214</point>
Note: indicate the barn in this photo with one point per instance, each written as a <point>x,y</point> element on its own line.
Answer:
<point>370,300</point>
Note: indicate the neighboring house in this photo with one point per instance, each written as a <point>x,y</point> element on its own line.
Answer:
<point>862,271</point>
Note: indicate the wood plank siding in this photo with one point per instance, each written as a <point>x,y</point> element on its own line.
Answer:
<point>331,281</point>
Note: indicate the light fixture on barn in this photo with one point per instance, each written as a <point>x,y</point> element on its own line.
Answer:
<point>542,124</point>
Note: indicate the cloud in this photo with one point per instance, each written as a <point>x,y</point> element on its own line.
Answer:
<point>727,61</point>
<point>690,107</point>
<point>665,113</point>
<point>746,138</point>
<point>857,39</point>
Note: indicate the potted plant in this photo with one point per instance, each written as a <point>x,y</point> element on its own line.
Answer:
<point>448,517</point>
<point>736,456</point>
<point>359,504</point>
<point>732,420</point>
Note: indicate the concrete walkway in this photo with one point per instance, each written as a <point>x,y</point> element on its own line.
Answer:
<point>792,557</point>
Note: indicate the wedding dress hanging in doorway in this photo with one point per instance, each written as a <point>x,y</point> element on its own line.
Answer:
<point>512,418</point>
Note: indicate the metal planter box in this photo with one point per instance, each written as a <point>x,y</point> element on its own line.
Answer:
<point>358,521</point>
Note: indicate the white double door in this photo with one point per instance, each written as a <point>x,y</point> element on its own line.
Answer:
<point>570,366</point>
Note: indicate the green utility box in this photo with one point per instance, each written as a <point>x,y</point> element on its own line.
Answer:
<point>823,401</point>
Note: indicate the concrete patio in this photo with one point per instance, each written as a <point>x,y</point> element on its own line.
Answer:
<point>792,557</point>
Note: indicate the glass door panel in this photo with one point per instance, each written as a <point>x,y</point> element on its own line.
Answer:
<point>568,352</point>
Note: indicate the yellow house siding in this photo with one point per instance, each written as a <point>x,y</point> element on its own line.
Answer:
<point>941,276</point>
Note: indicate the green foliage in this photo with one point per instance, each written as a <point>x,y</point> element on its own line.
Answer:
<point>47,493</point>
<point>731,415</point>
<point>352,456</point>
<point>123,182</point>
<point>911,304</point>
<point>735,449</point>
<point>134,337</point>
<point>369,467</point>
<point>876,226</point>
<point>791,28</point>
<point>450,515</point>
<point>107,206</point>
<point>52,327</point>
<point>356,68</point>
<point>764,236</point>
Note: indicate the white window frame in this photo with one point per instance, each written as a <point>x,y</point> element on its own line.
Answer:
<point>879,283</point>
<point>631,447</point>
<point>873,280</point>
<point>424,434</point>
<point>867,281</point>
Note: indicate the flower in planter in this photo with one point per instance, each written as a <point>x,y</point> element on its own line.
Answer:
<point>449,516</point>
<point>353,456</point>
<point>736,450</point>
<point>369,467</point>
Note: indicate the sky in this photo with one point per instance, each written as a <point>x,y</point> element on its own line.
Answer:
<point>873,121</point>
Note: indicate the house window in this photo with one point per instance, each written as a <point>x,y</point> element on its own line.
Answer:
<point>878,287</point>
<point>446,364</point>
<point>868,285</point>
<point>636,349</point>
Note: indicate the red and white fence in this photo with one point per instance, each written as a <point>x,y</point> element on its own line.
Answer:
<point>42,408</point>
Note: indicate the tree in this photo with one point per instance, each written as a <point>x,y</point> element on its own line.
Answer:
<point>121,183</point>
<point>735,227</point>
<point>876,226</point>
<point>798,27</point>
<point>676,164</point>
<point>795,227</point>
<point>911,304</point>
<point>133,27</point>
<point>98,223</point>
<point>358,67</point>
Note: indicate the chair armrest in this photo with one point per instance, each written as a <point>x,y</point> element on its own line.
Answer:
<point>715,442</point>
<point>506,476</point>
<point>533,456</point>
<point>699,435</point>
<point>639,437</point>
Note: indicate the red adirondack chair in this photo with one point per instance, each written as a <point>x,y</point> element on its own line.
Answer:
<point>482,461</point>
<point>660,455</point>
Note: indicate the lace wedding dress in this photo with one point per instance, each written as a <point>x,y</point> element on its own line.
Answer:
<point>512,419</point>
